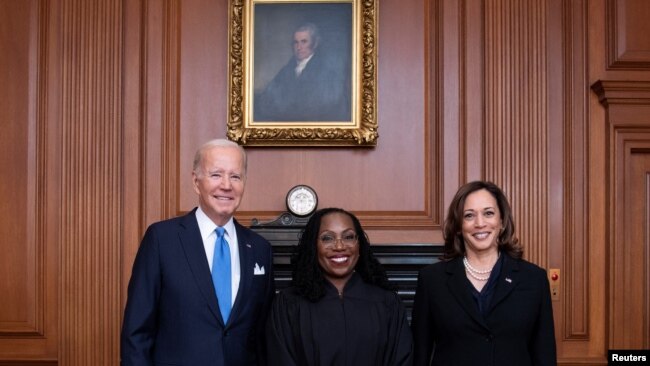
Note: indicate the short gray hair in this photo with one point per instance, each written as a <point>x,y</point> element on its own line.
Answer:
<point>312,29</point>
<point>198,156</point>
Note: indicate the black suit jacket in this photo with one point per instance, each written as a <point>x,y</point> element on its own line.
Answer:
<point>517,329</point>
<point>172,316</point>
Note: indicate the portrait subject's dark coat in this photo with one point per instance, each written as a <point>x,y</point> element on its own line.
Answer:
<point>366,326</point>
<point>172,315</point>
<point>320,93</point>
<point>517,329</point>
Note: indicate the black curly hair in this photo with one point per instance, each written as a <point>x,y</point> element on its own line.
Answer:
<point>308,278</point>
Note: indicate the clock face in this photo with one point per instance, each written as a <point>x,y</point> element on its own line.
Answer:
<point>302,200</point>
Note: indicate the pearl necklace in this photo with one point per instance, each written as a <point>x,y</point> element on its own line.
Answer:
<point>472,269</point>
<point>475,273</point>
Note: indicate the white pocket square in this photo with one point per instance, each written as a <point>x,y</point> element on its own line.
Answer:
<point>258,270</point>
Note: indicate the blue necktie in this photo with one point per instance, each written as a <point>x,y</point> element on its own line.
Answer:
<point>221,273</point>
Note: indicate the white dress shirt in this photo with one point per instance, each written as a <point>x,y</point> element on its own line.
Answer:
<point>302,64</point>
<point>209,237</point>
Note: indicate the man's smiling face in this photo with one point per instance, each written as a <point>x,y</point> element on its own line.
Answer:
<point>219,182</point>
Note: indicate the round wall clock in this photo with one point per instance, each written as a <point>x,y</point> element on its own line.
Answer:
<point>302,200</point>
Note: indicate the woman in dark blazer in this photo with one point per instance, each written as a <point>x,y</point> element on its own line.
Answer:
<point>482,304</point>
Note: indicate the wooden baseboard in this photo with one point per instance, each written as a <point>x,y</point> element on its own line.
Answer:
<point>582,361</point>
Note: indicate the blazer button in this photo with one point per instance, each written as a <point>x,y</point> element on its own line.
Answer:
<point>226,333</point>
<point>489,337</point>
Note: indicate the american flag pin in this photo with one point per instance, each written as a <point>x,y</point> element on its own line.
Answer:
<point>508,279</point>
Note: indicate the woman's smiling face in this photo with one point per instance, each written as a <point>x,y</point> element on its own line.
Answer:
<point>338,248</point>
<point>481,222</point>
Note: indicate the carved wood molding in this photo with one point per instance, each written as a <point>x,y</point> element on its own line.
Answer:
<point>627,106</point>
<point>629,302</point>
<point>620,56</point>
<point>575,262</point>
<point>35,267</point>
<point>622,92</point>
<point>369,220</point>
<point>170,177</point>
<point>160,85</point>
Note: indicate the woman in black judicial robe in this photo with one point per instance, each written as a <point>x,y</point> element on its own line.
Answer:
<point>339,310</point>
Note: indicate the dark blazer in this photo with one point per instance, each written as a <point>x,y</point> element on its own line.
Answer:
<point>517,329</point>
<point>172,316</point>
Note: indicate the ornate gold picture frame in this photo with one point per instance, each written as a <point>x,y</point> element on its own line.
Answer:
<point>302,73</point>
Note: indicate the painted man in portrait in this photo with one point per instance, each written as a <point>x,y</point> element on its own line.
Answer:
<point>312,86</point>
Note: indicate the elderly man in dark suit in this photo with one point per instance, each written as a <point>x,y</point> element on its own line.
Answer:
<point>201,283</point>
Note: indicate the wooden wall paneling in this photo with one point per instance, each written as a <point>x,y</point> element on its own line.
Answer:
<point>575,253</point>
<point>434,149</point>
<point>29,245</point>
<point>151,109</point>
<point>151,137</point>
<point>567,100</point>
<point>609,91</point>
<point>629,263</point>
<point>171,104</point>
<point>637,229</point>
<point>628,131</point>
<point>160,137</point>
<point>628,125</point>
<point>630,260</point>
<point>271,170</point>
<point>390,187</point>
<point>458,44</point>
<point>22,268</point>
<point>534,132</point>
<point>472,121</point>
<point>133,140</point>
<point>628,46</point>
<point>516,123</point>
<point>101,125</point>
<point>91,210</point>
<point>567,229</point>
<point>204,82</point>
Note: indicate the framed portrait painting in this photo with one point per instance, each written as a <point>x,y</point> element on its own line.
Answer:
<point>302,73</point>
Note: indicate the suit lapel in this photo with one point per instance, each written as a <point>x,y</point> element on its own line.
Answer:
<point>190,237</point>
<point>246,270</point>
<point>457,285</point>
<point>507,282</point>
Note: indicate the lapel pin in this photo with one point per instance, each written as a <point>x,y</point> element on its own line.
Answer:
<point>508,280</point>
<point>248,245</point>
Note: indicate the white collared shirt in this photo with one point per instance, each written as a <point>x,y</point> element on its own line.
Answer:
<point>209,237</point>
<point>302,64</point>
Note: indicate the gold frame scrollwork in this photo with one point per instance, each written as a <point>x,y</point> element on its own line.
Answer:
<point>360,130</point>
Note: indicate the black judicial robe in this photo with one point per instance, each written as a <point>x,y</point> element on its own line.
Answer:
<point>367,325</point>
